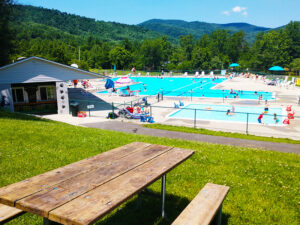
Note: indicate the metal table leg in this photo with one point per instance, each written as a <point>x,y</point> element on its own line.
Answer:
<point>163,193</point>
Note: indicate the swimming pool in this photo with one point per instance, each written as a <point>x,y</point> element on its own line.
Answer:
<point>189,87</point>
<point>218,113</point>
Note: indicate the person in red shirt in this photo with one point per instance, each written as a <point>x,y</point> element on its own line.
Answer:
<point>75,83</point>
<point>260,118</point>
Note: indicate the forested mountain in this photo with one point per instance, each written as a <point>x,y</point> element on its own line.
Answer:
<point>176,28</point>
<point>27,16</point>
<point>58,36</point>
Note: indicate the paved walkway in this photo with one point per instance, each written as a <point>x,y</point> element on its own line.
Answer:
<point>138,129</point>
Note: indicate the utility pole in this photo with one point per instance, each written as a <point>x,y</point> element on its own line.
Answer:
<point>79,54</point>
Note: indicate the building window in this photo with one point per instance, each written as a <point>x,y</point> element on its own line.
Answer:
<point>18,95</point>
<point>47,93</point>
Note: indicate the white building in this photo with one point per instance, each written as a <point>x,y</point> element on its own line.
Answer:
<point>38,84</point>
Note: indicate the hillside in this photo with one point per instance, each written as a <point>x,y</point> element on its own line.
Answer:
<point>176,28</point>
<point>30,18</point>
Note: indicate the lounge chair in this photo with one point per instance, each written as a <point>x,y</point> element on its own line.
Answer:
<point>133,115</point>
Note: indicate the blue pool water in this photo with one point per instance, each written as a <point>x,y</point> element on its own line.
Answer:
<point>195,87</point>
<point>218,112</point>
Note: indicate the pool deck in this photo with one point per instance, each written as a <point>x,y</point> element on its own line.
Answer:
<point>284,97</point>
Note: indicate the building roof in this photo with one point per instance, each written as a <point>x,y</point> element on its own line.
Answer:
<point>36,69</point>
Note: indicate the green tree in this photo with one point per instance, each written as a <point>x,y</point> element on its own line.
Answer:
<point>201,58</point>
<point>293,32</point>
<point>236,46</point>
<point>152,53</point>
<point>120,56</point>
<point>295,65</point>
<point>187,44</point>
<point>6,33</point>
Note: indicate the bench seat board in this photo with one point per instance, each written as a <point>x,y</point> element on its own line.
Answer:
<point>93,205</point>
<point>43,202</point>
<point>7,213</point>
<point>204,206</point>
<point>11,193</point>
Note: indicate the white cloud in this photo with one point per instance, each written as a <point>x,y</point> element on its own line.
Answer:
<point>227,13</point>
<point>238,9</point>
<point>245,13</point>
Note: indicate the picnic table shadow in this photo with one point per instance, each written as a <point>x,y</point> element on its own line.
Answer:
<point>149,211</point>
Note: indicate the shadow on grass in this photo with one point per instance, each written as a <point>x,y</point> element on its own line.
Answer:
<point>149,212</point>
<point>20,116</point>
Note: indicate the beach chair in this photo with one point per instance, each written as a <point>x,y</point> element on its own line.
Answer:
<point>185,73</point>
<point>197,74</point>
<point>181,103</point>
<point>176,106</point>
<point>133,116</point>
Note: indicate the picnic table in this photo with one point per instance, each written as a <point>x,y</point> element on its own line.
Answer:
<point>85,191</point>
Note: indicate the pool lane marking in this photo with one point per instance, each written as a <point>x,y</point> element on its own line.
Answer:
<point>185,86</point>
<point>202,86</point>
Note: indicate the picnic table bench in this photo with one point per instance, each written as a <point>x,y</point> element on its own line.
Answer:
<point>85,191</point>
<point>8,213</point>
<point>205,207</point>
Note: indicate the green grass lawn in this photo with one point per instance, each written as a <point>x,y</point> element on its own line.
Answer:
<point>264,185</point>
<point>219,133</point>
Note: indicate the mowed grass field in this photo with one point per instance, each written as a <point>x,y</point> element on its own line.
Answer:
<point>264,185</point>
<point>220,133</point>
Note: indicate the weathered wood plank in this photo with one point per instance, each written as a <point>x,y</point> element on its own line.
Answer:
<point>7,213</point>
<point>50,198</point>
<point>93,205</point>
<point>204,206</point>
<point>11,193</point>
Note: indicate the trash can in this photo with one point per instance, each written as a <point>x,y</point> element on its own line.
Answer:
<point>74,108</point>
<point>299,100</point>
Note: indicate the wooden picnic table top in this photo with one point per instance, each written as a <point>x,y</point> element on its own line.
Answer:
<point>85,191</point>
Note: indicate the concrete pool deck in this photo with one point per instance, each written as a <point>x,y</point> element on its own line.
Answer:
<point>284,97</point>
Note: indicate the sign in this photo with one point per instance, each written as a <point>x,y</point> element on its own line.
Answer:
<point>90,106</point>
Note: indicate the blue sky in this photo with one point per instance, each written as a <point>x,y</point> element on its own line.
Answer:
<point>267,13</point>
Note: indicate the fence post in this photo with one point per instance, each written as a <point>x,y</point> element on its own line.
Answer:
<point>112,107</point>
<point>195,118</point>
<point>150,110</point>
<point>247,123</point>
<point>131,104</point>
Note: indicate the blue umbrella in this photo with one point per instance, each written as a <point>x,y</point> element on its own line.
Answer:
<point>234,65</point>
<point>276,68</point>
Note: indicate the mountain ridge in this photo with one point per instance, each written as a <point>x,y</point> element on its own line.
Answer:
<point>176,28</point>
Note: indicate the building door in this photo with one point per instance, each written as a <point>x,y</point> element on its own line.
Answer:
<point>31,91</point>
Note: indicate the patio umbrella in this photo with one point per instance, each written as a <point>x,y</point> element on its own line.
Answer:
<point>276,68</point>
<point>234,65</point>
<point>123,80</point>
